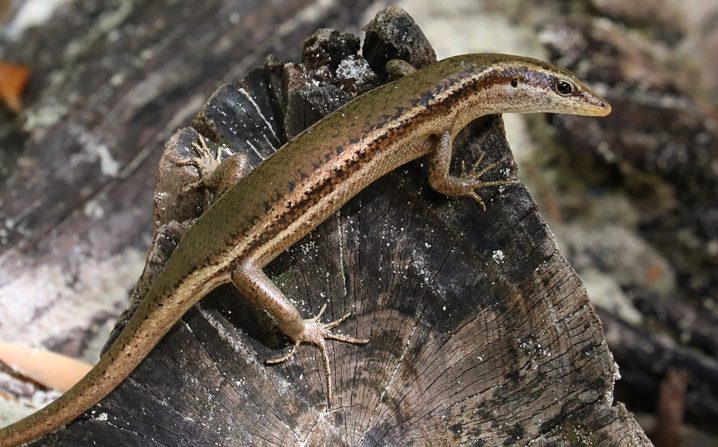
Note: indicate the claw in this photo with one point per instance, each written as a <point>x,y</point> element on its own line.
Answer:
<point>203,161</point>
<point>285,357</point>
<point>474,166</point>
<point>315,333</point>
<point>337,322</point>
<point>328,368</point>
<point>201,148</point>
<point>478,200</point>
<point>475,174</point>
<point>319,315</point>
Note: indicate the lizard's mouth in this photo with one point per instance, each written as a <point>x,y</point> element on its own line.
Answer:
<point>595,105</point>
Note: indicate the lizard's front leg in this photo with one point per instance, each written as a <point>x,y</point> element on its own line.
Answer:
<point>216,174</point>
<point>256,286</point>
<point>468,182</point>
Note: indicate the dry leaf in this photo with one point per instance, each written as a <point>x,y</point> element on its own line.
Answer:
<point>13,79</point>
<point>50,369</point>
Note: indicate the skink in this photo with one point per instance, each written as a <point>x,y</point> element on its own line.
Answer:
<point>303,183</point>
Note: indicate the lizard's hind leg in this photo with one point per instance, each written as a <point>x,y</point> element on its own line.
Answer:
<point>254,284</point>
<point>216,174</point>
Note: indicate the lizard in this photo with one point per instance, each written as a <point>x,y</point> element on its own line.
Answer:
<point>305,181</point>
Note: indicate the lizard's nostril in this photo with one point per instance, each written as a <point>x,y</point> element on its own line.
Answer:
<point>602,104</point>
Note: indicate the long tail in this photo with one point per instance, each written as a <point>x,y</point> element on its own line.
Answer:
<point>102,379</point>
<point>150,322</point>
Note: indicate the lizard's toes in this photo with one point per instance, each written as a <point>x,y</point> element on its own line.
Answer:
<point>316,332</point>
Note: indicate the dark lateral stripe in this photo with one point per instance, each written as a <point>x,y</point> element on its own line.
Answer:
<point>448,96</point>
<point>320,190</point>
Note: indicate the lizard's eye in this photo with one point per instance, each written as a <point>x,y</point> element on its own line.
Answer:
<point>563,88</point>
<point>515,82</point>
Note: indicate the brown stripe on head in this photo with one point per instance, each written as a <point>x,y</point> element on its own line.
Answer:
<point>504,83</point>
<point>480,84</point>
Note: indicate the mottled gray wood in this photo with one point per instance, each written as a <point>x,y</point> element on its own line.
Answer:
<point>111,81</point>
<point>657,151</point>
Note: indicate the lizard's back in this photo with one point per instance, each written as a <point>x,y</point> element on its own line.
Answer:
<point>295,178</point>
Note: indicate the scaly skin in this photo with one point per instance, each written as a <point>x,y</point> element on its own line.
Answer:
<point>306,181</point>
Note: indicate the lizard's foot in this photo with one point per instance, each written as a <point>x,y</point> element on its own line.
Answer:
<point>203,160</point>
<point>473,178</point>
<point>315,333</point>
<point>216,174</point>
<point>202,150</point>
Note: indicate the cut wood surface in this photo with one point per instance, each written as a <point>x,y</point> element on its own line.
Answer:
<point>481,333</point>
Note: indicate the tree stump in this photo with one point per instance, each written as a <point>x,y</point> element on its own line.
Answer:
<point>481,333</point>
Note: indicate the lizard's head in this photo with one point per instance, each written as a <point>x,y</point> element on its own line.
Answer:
<point>531,85</point>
